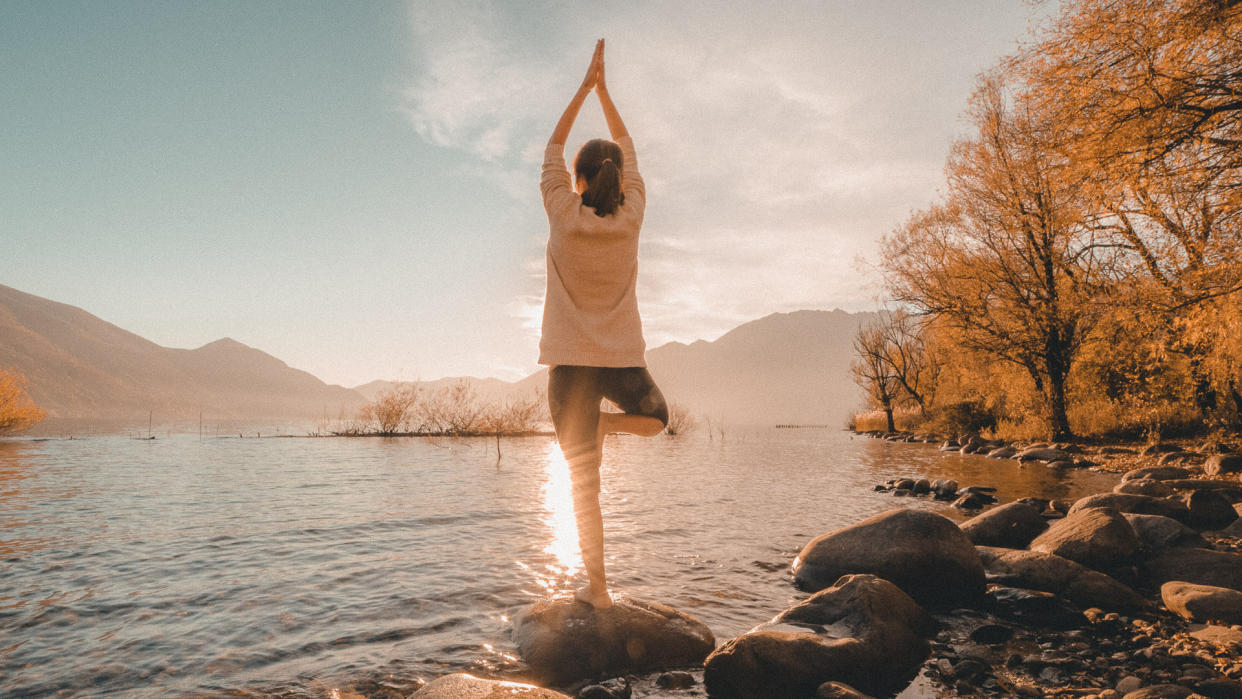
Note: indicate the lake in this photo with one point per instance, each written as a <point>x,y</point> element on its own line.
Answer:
<point>190,565</point>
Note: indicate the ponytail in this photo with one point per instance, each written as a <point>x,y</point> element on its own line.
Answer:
<point>600,163</point>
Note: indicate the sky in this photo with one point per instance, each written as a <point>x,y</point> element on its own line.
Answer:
<point>353,187</point>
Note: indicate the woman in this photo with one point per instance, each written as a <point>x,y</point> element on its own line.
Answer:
<point>592,334</point>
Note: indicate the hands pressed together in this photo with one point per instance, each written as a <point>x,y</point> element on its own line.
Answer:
<point>594,79</point>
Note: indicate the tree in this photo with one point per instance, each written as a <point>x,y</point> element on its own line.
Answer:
<point>1147,98</point>
<point>873,372</point>
<point>391,409</point>
<point>17,410</point>
<point>908,354</point>
<point>1006,261</point>
<point>1138,79</point>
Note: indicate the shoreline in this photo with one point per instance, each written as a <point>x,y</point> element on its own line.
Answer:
<point>1102,654</point>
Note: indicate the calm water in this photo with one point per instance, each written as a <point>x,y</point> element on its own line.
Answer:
<point>188,566</point>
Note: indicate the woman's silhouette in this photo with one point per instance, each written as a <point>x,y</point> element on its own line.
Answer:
<point>592,334</point>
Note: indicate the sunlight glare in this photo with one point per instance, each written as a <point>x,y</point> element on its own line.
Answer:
<point>558,507</point>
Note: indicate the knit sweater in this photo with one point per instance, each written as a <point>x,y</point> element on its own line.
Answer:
<point>590,312</point>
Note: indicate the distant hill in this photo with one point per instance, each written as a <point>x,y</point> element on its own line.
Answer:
<point>488,389</point>
<point>785,368</point>
<point>782,368</point>
<point>80,366</point>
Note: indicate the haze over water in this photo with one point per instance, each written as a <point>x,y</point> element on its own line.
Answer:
<point>149,568</point>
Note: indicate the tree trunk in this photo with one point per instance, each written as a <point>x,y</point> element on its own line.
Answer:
<point>1058,418</point>
<point>888,413</point>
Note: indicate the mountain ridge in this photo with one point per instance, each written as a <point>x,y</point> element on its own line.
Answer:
<point>783,367</point>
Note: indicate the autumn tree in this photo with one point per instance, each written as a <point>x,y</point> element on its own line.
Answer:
<point>17,410</point>
<point>1147,99</point>
<point>1005,261</point>
<point>873,372</point>
<point>1138,79</point>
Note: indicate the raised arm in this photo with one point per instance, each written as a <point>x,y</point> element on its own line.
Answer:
<point>616,127</point>
<point>561,133</point>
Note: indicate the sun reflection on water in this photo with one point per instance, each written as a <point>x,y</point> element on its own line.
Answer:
<point>558,506</point>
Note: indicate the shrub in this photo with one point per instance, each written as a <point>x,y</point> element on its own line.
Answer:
<point>17,410</point>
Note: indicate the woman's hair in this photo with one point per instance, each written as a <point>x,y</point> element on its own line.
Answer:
<point>599,163</point>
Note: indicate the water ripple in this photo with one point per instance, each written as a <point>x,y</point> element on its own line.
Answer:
<point>292,566</point>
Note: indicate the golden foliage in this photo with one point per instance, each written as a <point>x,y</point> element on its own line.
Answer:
<point>17,410</point>
<point>1085,263</point>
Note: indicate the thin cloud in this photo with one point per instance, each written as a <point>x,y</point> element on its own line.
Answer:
<point>773,158</point>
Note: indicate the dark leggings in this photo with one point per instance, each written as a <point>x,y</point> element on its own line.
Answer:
<point>574,393</point>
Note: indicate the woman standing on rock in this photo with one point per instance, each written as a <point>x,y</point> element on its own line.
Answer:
<point>592,334</point>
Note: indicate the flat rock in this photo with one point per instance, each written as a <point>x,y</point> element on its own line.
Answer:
<point>1002,452</point>
<point>463,686</point>
<point>1095,537</point>
<point>1202,603</point>
<point>1011,526</point>
<point>1199,566</point>
<point>838,690</point>
<point>1144,486</point>
<point>1220,635</point>
<point>1156,532</point>
<point>1160,691</point>
<point>1217,464</point>
<point>923,553</point>
<point>1042,454</point>
<point>1225,487</point>
<point>862,631</point>
<point>1060,576</point>
<point>1158,473</point>
<point>1139,504</point>
<point>564,641</point>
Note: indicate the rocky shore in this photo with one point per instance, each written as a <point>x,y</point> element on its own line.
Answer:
<point>1134,594</point>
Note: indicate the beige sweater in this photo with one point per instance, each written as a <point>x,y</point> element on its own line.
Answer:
<point>590,312</point>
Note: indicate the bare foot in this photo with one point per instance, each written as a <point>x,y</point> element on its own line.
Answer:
<point>597,600</point>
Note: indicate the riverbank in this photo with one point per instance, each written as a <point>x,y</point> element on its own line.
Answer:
<point>1049,645</point>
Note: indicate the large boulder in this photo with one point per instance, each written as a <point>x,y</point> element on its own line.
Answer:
<point>1156,532</point>
<point>463,686</point>
<point>1199,566</point>
<point>1139,504</point>
<point>1096,537</point>
<point>1034,570</point>
<point>1217,464</point>
<point>1202,603</point>
<point>1144,486</point>
<point>1158,473</point>
<point>863,631</point>
<point>1208,509</point>
<point>923,553</point>
<point>563,640</point>
<point>1012,526</point>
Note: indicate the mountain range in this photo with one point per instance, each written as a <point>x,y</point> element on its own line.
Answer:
<point>783,368</point>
